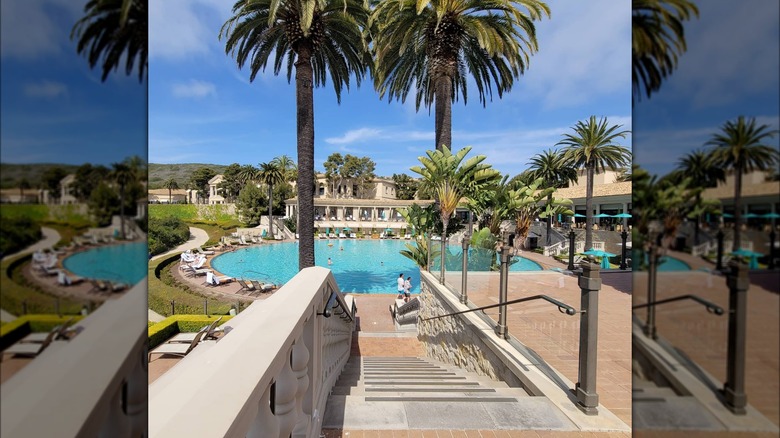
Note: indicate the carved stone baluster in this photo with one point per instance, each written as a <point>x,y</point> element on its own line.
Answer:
<point>286,389</point>
<point>300,366</point>
<point>265,425</point>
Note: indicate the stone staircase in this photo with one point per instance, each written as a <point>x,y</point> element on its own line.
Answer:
<point>413,393</point>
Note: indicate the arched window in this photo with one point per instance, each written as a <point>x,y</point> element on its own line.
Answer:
<point>322,189</point>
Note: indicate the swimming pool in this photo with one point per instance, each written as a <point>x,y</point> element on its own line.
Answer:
<point>125,263</point>
<point>362,266</point>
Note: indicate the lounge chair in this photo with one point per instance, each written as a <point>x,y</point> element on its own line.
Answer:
<point>116,287</point>
<point>245,286</point>
<point>60,332</point>
<point>213,280</point>
<point>50,271</point>
<point>297,236</point>
<point>262,287</point>
<point>97,285</point>
<point>352,236</point>
<point>332,236</point>
<point>30,349</point>
<point>204,252</point>
<point>242,241</point>
<point>342,236</point>
<point>323,236</point>
<point>211,331</point>
<point>408,236</point>
<point>178,349</point>
<point>66,280</point>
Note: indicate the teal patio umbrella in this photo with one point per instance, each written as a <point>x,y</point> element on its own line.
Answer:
<point>578,215</point>
<point>753,262</point>
<point>622,215</point>
<point>603,215</point>
<point>603,254</point>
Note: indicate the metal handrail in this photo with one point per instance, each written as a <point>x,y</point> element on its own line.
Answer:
<point>335,298</point>
<point>563,308</point>
<point>710,306</point>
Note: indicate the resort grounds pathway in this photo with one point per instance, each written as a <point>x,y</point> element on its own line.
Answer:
<point>50,238</point>
<point>198,237</point>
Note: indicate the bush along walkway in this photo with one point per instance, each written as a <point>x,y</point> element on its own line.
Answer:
<point>198,237</point>
<point>50,238</point>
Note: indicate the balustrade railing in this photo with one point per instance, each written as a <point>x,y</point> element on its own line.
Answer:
<point>92,385</point>
<point>270,376</point>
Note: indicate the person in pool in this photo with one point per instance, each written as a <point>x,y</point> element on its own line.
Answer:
<point>330,262</point>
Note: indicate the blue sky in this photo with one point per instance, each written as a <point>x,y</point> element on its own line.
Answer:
<point>731,68</point>
<point>202,109</point>
<point>54,108</point>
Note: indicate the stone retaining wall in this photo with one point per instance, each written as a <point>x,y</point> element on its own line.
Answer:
<point>455,341</point>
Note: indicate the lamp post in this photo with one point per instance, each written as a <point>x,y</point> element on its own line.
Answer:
<point>624,236</point>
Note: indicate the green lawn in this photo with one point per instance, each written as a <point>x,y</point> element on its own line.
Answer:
<point>212,218</point>
<point>163,289</point>
<point>17,290</point>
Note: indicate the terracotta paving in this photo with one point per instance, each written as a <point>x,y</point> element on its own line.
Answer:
<point>555,336</point>
<point>703,336</point>
<point>331,433</point>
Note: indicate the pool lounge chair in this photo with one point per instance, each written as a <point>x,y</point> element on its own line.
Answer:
<point>64,279</point>
<point>116,286</point>
<point>352,236</point>
<point>323,236</point>
<point>342,236</point>
<point>408,236</point>
<point>332,236</point>
<point>213,280</point>
<point>60,332</point>
<point>30,349</point>
<point>211,331</point>
<point>97,285</point>
<point>204,252</point>
<point>262,287</point>
<point>242,241</point>
<point>245,286</point>
<point>178,349</point>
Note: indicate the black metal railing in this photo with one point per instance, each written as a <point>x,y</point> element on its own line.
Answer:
<point>710,306</point>
<point>562,307</point>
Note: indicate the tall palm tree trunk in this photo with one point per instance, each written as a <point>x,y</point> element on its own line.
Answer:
<point>270,211</point>
<point>589,208</point>
<point>170,196</point>
<point>549,222</point>
<point>737,208</point>
<point>443,115</point>
<point>122,210</point>
<point>304,100</point>
<point>697,224</point>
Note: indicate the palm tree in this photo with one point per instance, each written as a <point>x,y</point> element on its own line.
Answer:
<point>114,32</point>
<point>658,38</point>
<point>270,175</point>
<point>592,147</point>
<point>435,47</point>
<point>738,147</point>
<point>171,185</point>
<point>123,175</point>
<point>555,171</point>
<point>315,38</point>
<point>698,166</point>
<point>23,185</point>
<point>288,166</point>
<point>451,179</point>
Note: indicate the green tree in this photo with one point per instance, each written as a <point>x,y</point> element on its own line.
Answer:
<point>436,47</point>
<point>232,182</point>
<point>249,204</point>
<point>360,171</point>
<point>740,147</point>
<point>199,181</point>
<point>592,147</point>
<point>452,179</point>
<point>657,40</point>
<point>699,167</point>
<point>124,176</point>
<point>113,32</point>
<point>555,171</point>
<point>103,204</point>
<point>314,38</point>
<point>270,175</point>
<point>333,174</point>
<point>405,186</point>
<point>87,177</point>
<point>171,185</point>
<point>288,166</point>
<point>50,180</point>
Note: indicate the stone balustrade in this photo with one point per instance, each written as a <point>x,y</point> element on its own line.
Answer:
<point>270,375</point>
<point>92,385</point>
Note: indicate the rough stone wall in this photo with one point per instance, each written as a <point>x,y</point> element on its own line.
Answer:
<point>452,340</point>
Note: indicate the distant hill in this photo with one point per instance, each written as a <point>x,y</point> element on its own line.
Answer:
<point>159,173</point>
<point>13,173</point>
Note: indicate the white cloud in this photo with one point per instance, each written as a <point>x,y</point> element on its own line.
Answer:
<point>584,52</point>
<point>194,89</point>
<point>45,89</point>
<point>355,135</point>
<point>177,31</point>
<point>27,30</point>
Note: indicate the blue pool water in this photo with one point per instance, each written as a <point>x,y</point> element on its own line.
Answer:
<point>671,264</point>
<point>363,266</point>
<point>126,263</point>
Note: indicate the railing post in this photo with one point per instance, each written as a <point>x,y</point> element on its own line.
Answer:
<point>173,307</point>
<point>463,281</point>
<point>719,261</point>
<point>24,307</point>
<point>624,237</point>
<point>571,251</point>
<point>585,389</point>
<point>734,388</point>
<point>206,306</point>
<point>57,306</point>
<point>501,328</point>
<point>772,237</point>
<point>652,275</point>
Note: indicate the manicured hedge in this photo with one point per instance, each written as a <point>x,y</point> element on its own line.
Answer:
<point>15,330</point>
<point>163,330</point>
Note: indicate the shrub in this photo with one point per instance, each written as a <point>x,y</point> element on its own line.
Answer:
<point>24,325</point>
<point>166,233</point>
<point>18,233</point>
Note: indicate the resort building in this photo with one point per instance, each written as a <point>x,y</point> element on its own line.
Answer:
<point>760,195</point>
<point>215,193</point>
<point>162,196</point>
<point>66,190</point>
<point>608,198</point>
<point>18,196</point>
